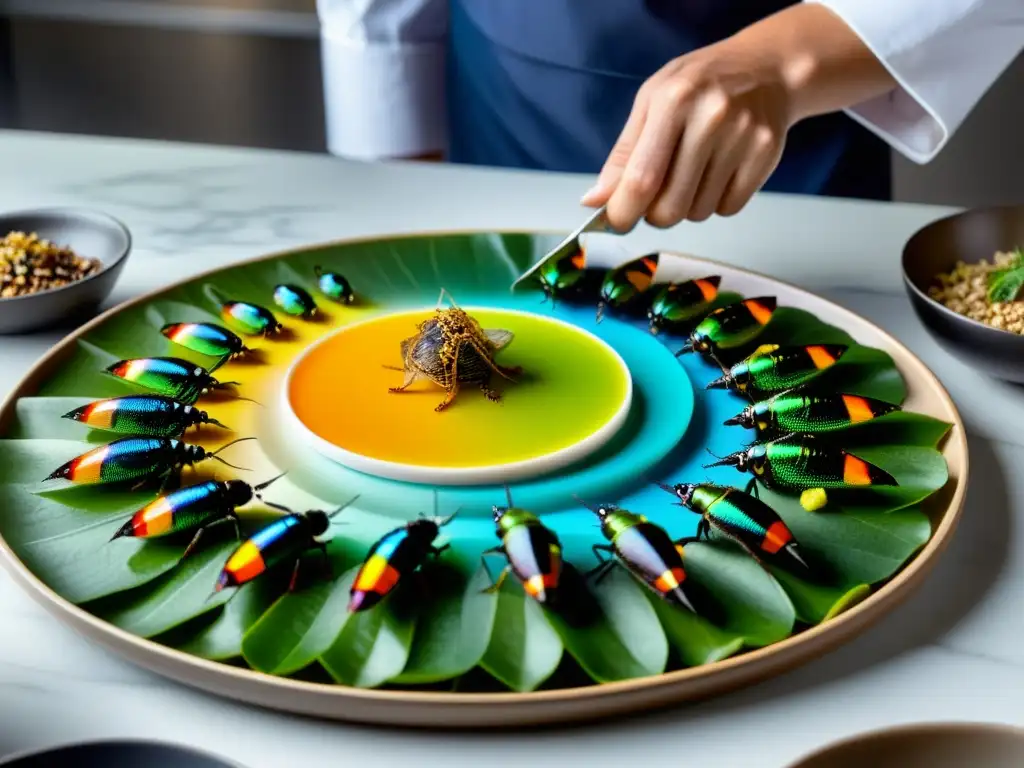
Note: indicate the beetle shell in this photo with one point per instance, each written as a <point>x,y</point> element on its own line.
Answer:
<point>294,300</point>
<point>171,376</point>
<point>250,318</point>
<point>150,415</point>
<point>772,368</point>
<point>204,338</point>
<point>787,413</point>
<point>394,555</point>
<point>124,460</point>
<point>679,304</point>
<point>534,553</point>
<point>335,286</point>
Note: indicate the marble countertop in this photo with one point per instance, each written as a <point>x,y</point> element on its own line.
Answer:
<point>952,652</point>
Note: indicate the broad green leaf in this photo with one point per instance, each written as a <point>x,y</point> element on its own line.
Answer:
<point>816,603</point>
<point>70,549</point>
<point>1004,284</point>
<point>524,649</point>
<point>453,629</point>
<point>222,638</point>
<point>896,428</point>
<point>624,638</point>
<point>753,606</point>
<point>374,645</point>
<point>695,640</point>
<point>299,626</point>
<point>175,597</point>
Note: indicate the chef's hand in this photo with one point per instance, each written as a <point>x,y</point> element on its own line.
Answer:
<point>707,130</point>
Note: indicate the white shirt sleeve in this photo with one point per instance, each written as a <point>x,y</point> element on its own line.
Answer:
<point>383,76</point>
<point>944,55</point>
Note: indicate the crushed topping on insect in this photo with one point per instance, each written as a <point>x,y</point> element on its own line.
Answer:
<point>30,264</point>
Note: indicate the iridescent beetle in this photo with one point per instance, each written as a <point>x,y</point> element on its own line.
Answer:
<point>789,412</point>
<point>533,552</point>
<point>195,507</point>
<point>295,300</point>
<point>250,318</point>
<point>149,415</point>
<point>136,459</point>
<point>677,305</point>
<point>283,540</point>
<point>451,349</point>
<point>799,462</point>
<point>171,376</point>
<point>730,326</point>
<point>334,286</point>
<point>394,556</point>
<point>743,519</point>
<point>624,284</point>
<point>645,550</point>
<point>771,368</point>
<point>206,339</point>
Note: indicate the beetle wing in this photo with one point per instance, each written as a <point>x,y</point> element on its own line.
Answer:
<point>498,337</point>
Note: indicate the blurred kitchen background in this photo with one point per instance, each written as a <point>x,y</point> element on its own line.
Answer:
<point>247,73</point>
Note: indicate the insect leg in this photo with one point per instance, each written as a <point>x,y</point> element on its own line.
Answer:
<point>485,355</point>
<point>295,575</point>
<point>501,580</point>
<point>192,544</point>
<point>328,565</point>
<point>752,488</point>
<point>436,551</point>
<point>491,394</point>
<point>603,564</point>
<point>451,387</point>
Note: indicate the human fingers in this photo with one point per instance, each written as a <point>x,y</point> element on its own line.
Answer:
<point>733,148</point>
<point>752,173</point>
<point>649,162</point>
<point>706,127</point>
<point>616,161</point>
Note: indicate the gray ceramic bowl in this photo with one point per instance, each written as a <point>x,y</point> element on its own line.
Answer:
<point>117,754</point>
<point>930,745</point>
<point>88,233</point>
<point>969,237</point>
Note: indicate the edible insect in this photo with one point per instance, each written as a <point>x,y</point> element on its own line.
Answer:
<point>533,551</point>
<point>284,540</point>
<point>645,550</point>
<point>622,285</point>
<point>730,326</point>
<point>451,349</point>
<point>250,318</point>
<point>679,304</point>
<point>136,459</point>
<point>150,415</point>
<point>170,376</point>
<point>334,286</point>
<point>745,520</point>
<point>789,412</point>
<point>771,368</point>
<point>295,301</point>
<point>799,462</point>
<point>396,554</point>
<point>567,276</point>
<point>195,507</point>
<point>206,339</point>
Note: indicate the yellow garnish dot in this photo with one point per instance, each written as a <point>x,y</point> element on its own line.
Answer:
<point>813,499</point>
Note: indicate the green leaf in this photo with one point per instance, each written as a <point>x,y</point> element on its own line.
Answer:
<point>453,630</point>
<point>524,649</point>
<point>174,598</point>
<point>816,603</point>
<point>624,639</point>
<point>1004,284</point>
<point>755,608</point>
<point>374,645</point>
<point>299,627</point>
<point>897,428</point>
<point>695,640</point>
<point>222,638</point>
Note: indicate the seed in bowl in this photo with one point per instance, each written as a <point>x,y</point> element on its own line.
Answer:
<point>986,291</point>
<point>30,264</point>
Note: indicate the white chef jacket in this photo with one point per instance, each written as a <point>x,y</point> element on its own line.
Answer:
<point>383,69</point>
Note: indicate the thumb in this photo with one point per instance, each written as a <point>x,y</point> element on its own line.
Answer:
<point>613,167</point>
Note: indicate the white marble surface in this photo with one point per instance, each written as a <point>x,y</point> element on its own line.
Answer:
<point>953,652</point>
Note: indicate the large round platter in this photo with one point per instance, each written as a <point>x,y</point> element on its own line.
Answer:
<point>601,414</point>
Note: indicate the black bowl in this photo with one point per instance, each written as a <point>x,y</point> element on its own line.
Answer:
<point>117,754</point>
<point>88,233</point>
<point>969,237</point>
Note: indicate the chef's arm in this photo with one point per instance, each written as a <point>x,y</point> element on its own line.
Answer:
<point>943,55</point>
<point>383,77</point>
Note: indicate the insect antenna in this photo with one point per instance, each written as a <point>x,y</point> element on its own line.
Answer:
<point>687,347</point>
<point>451,299</point>
<point>219,363</point>
<point>265,485</point>
<point>585,504</point>
<point>228,445</point>
<point>279,507</point>
<point>228,464</point>
<point>443,522</point>
<point>392,367</point>
<point>508,495</point>
<point>216,423</point>
<point>350,502</point>
<point>600,312</point>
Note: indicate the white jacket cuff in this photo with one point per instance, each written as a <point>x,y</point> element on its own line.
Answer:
<point>944,55</point>
<point>383,99</point>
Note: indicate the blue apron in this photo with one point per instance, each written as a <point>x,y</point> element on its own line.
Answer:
<point>548,84</point>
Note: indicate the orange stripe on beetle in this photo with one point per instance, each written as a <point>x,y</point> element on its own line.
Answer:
<point>540,583</point>
<point>378,575</point>
<point>154,519</point>
<point>856,471</point>
<point>760,312</point>
<point>246,564</point>
<point>708,290</point>
<point>820,356</point>
<point>579,259</point>
<point>776,537</point>
<point>670,579</point>
<point>858,408</point>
